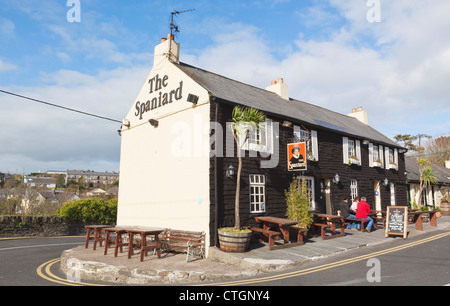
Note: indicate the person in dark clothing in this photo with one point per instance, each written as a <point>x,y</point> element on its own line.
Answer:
<point>346,212</point>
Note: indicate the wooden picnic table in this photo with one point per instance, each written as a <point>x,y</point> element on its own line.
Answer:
<point>118,241</point>
<point>278,224</point>
<point>328,220</point>
<point>416,217</point>
<point>97,234</point>
<point>275,228</point>
<point>144,232</point>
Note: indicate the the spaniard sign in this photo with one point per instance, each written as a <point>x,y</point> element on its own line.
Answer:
<point>296,156</point>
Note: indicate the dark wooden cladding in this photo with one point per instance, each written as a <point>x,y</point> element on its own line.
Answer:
<point>277,179</point>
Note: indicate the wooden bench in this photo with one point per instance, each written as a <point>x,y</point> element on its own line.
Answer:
<point>270,235</point>
<point>193,243</point>
<point>324,226</point>
<point>362,221</point>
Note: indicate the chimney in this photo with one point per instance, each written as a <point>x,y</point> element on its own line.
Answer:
<point>279,88</point>
<point>167,49</point>
<point>359,114</point>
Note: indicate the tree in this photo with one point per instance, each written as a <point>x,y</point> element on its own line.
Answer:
<point>427,177</point>
<point>245,120</point>
<point>408,141</point>
<point>437,150</point>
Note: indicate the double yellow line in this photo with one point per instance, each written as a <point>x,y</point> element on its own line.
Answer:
<point>327,266</point>
<point>45,272</point>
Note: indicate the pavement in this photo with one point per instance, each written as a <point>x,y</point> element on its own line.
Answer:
<point>219,266</point>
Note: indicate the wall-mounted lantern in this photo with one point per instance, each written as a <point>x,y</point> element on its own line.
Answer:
<point>336,179</point>
<point>230,171</point>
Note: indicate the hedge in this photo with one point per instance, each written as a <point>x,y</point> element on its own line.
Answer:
<point>90,210</point>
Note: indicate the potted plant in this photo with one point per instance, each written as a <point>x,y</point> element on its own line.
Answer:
<point>378,163</point>
<point>425,217</point>
<point>438,212</point>
<point>245,120</point>
<point>445,205</point>
<point>297,202</point>
<point>353,159</point>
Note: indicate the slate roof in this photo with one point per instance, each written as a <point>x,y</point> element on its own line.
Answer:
<point>413,175</point>
<point>294,110</point>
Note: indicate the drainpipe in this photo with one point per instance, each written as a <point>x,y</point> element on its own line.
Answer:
<point>216,184</point>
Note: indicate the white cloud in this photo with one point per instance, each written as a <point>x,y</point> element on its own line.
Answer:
<point>398,70</point>
<point>40,137</point>
<point>7,27</point>
<point>6,66</point>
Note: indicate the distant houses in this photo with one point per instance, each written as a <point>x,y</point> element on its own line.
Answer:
<point>41,193</point>
<point>431,195</point>
<point>88,176</point>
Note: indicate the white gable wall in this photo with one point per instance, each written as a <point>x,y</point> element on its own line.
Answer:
<point>164,170</point>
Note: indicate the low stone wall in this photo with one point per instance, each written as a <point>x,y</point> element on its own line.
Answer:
<point>21,226</point>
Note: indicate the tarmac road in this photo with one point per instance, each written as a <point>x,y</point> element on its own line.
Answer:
<point>21,257</point>
<point>420,261</point>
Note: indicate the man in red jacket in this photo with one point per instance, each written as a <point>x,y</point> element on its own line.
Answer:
<point>363,211</point>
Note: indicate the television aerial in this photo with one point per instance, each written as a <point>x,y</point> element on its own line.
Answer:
<point>173,26</point>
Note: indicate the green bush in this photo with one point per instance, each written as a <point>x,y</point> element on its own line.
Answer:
<point>90,210</point>
<point>298,205</point>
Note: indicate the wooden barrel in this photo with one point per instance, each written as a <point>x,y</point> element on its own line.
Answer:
<point>234,242</point>
<point>445,209</point>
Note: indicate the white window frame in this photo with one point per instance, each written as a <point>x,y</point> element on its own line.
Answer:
<point>353,188</point>
<point>350,146</point>
<point>391,158</point>
<point>310,188</point>
<point>259,140</point>
<point>257,193</point>
<point>392,192</point>
<point>312,145</point>
<point>375,153</point>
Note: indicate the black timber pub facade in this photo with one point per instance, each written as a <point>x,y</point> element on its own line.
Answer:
<point>345,156</point>
<point>376,171</point>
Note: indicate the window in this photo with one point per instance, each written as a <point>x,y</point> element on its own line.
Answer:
<point>351,150</point>
<point>353,189</point>
<point>375,155</point>
<point>257,137</point>
<point>257,193</point>
<point>261,139</point>
<point>391,158</point>
<point>312,147</point>
<point>310,189</point>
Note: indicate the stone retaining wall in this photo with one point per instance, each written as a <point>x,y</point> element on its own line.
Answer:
<point>20,226</point>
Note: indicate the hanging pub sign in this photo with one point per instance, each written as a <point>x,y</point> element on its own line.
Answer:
<point>296,153</point>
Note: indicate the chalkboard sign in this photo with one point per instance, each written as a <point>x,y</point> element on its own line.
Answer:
<point>397,220</point>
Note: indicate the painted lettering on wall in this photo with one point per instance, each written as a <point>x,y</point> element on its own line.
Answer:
<point>156,84</point>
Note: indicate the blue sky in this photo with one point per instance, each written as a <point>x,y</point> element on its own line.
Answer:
<point>327,51</point>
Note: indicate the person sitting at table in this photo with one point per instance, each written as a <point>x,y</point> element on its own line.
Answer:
<point>346,212</point>
<point>355,204</point>
<point>363,211</point>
